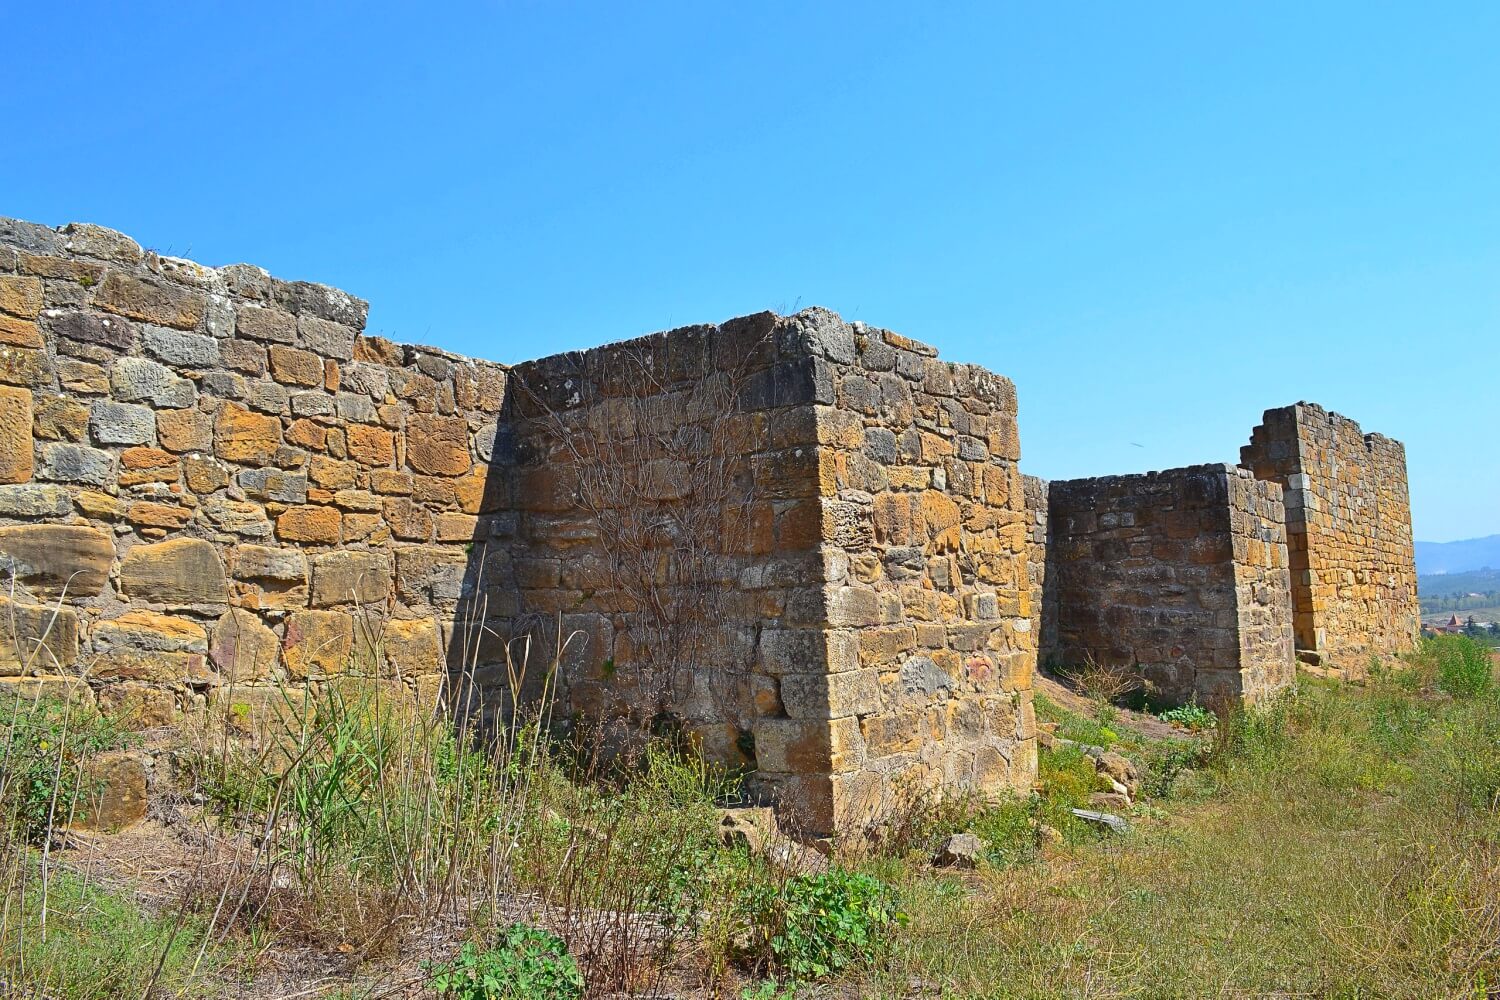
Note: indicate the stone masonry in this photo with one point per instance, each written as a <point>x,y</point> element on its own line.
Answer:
<point>803,545</point>
<point>1354,579</point>
<point>1181,575</point>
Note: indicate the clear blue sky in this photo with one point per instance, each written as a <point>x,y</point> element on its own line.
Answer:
<point>1157,219</point>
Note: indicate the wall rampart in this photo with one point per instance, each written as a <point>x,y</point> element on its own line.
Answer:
<point>221,484</point>
<point>1180,575</point>
<point>1349,531</point>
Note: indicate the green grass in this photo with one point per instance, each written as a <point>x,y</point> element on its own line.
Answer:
<point>98,943</point>
<point>1341,843</point>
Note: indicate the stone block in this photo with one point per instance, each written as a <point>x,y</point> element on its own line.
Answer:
<point>121,423</point>
<point>311,523</point>
<point>179,349</point>
<point>412,647</point>
<point>245,437</point>
<point>16,458</point>
<point>36,637</point>
<point>150,301</point>
<point>137,705</point>
<point>239,517</point>
<point>242,648</point>
<point>52,559</point>
<point>289,366</point>
<point>58,418</point>
<point>351,577</point>
<point>438,445</point>
<point>185,431</point>
<point>831,696</point>
<point>262,323</point>
<point>318,643</point>
<point>113,791</point>
<point>148,631</point>
<point>112,332</point>
<point>141,380</point>
<point>181,572</point>
<point>34,500</point>
<point>31,688</point>
<point>371,446</point>
<point>429,575</point>
<point>17,332</point>
<point>20,296</point>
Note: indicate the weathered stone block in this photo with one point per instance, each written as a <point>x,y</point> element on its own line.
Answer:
<point>185,430</point>
<point>182,350</point>
<point>150,301</point>
<point>311,523</point>
<point>145,381</point>
<point>115,791</point>
<point>372,446</point>
<point>242,648</point>
<point>362,578</point>
<point>53,559</point>
<point>16,460</point>
<point>184,571</point>
<point>318,643</point>
<point>243,436</point>
<point>262,323</point>
<point>149,631</point>
<point>438,445</point>
<point>412,646</point>
<point>121,423</point>
<point>37,637</point>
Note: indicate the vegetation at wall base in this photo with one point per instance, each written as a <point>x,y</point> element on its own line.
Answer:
<point>1341,841</point>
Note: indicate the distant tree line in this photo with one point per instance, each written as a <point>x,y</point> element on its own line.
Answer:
<point>1460,601</point>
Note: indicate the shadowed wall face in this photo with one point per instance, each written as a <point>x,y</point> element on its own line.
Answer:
<point>1349,523</point>
<point>831,519</point>
<point>1181,575</point>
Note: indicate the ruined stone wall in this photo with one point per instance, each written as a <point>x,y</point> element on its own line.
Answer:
<point>1349,524</point>
<point>930,641</point>
<point>1180,574</point>
<point>661,496</point>
<point>861,629</point>
<point>1043,597</point>
<point>219,482</point>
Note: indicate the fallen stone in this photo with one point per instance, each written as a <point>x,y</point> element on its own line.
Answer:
<point>1111,822</point>
<point>961,850</point>
<point>113,795</point>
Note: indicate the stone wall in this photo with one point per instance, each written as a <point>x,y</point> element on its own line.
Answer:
<point>1180,574</point>
<point>1043,597</point>
<point>802,544</point>
<point>857,628</point>
<point>220,483</point>
<point>1349,526</point>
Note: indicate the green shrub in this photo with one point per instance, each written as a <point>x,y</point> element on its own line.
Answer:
<point>1464,667</point>
<point>1192,716</point>
<point>815,925</point>
<point>526,963</point>
<point>44,745</point>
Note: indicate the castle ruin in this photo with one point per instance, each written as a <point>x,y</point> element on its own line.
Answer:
<point>805,545</point>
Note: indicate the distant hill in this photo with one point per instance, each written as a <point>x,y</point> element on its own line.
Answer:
<point>1478,581</point>
<point>1456,557</point>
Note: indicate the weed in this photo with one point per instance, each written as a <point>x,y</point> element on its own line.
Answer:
<point>1192,717</point>
<point>525,963</point>
<point>1465,668</point>
<point>44,746</point>
<point>816,925</point>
